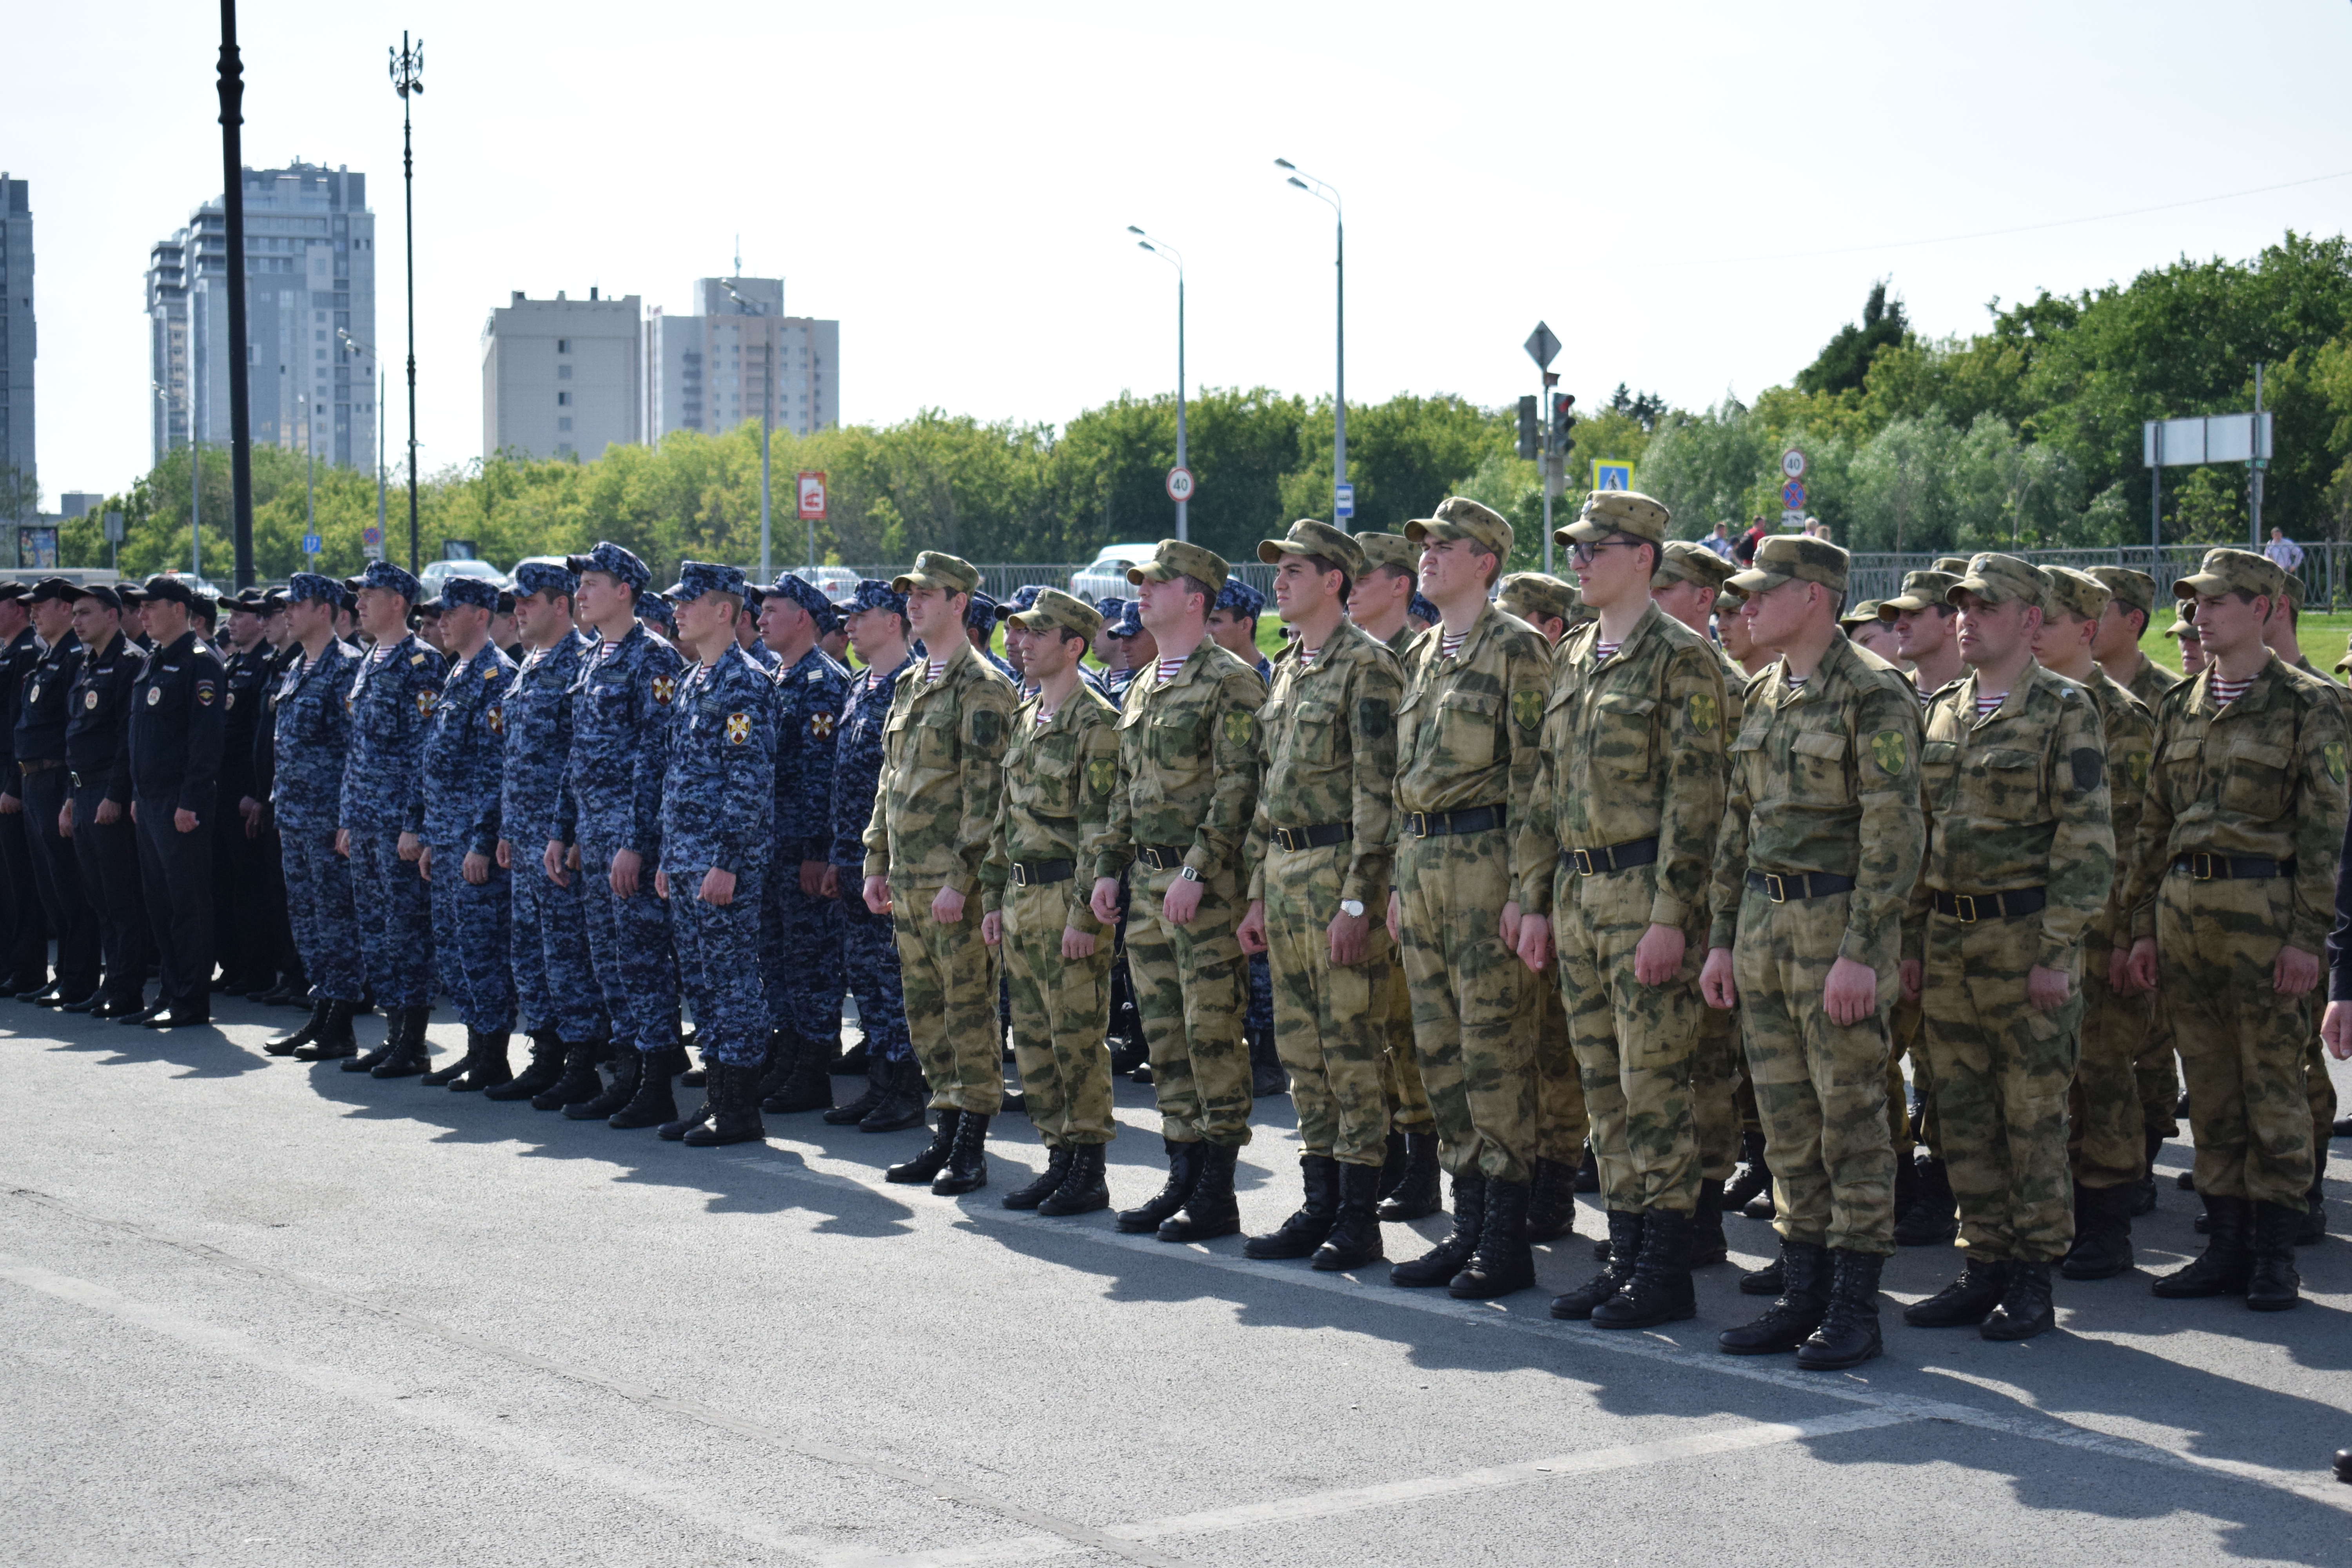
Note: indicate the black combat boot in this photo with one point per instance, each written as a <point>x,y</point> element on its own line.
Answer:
<point>2272,1285</point>
<point>2228,1261</point>
<point>1084,1190</point>
<point>1933,1219</point>
<point>804,1084</point>
<point>546,1066</point>
<point>967,1167</point>
<point>1209,1209</point>
<point>1967,1300</point>
<point>1588,1175</point>
<point>879,1080</point>
<point>308,1032</point>
<point>1707,1246</point>
<point>2144,1190</point>
<point>733,1096</point>
<point>1355,1238</point>
<point>442,1076</point>
<point>651,1102</point>
<point>851,1062</point>
<point>1551,1201</point>
<point>671,1131</point>
<point>1753,1176</point>
<point>2312,1229</point>
<point>1303,1231</point>
<point>1441,1262</point>
<point>1624,1253</point>
<point>1848,1334</point>
<point>1267,1077</point>
<point>776,1063</point>
<point>1392,1165</point>
<point>487,1067</point>
<point>2103,1246</point>
<point>904,1106</point>
<point>2025,1308</point>
<point>628,1072</point>
<point>409,1057</point>
<point>578,1080</point>
<point>1502,1262</point>
<point>1049,1180</point>
<point>1795,1313</point>
<point>1660,1291</point>
<point>1422,1192</point>
<point>934,1157</point>
<point>396,1031</point>
<point>1906,1182</point>
<point>1768,1281</point>
<point>1184,1170</point>
<point>335,1042</point>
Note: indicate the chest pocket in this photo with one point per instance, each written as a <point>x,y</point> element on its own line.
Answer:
<point>2256,781</point>
<point>1817,766</point>
<point>1314,732</point>
<point>931,742</point>
<point>1465,727</point>
<point>1172,741</point>
<point>2005,785</point>
<point>1049,781</point>
<point>1622,723</point>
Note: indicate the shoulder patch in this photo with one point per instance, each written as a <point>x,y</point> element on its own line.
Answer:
<point>987,728</point>
<point>497,719</point>
<point>664,688</point>
<point>205,693</point>
<point>1102,773</point>
<point>1702,714</point>
<point>2332,753</point>
<point>1240,726</point>
<point>2135,767</point>
<point>1528,710</point>
<point>1891,751</point>
<point>2090,767</point>
<point>424,700</point>
<point>820,722</point>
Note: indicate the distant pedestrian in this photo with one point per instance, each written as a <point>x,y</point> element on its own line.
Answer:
<point>1719,541</point>
<point>2284,551</point>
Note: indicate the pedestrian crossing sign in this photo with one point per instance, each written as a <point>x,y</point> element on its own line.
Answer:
<point>1610,474</point>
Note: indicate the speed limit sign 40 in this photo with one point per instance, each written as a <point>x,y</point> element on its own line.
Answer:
<point>1181,484</point>
<point>1792,464</point>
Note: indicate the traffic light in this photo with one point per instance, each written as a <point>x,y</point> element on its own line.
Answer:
<point>1562,421</point>
<point>1527,427</point>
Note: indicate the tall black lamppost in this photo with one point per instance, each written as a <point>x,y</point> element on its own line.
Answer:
<point>409,79</point>
<point>240,417</point>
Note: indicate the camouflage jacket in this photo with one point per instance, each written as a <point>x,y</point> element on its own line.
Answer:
<point>2263,776</point>
<point>1469,730</point>
<point>942,749</point>
<point>1327,753</point>
<point>1187,764</point>
<point>808,700</point>
<point>2150,682</point>
<point>2018,800</point>
<point>1825,777</point>
<point>391,701</point>
<point>1058,780</point>
<point>465,756</point>
<point>718,792</point>
<point>620,703</point>
<point>534,809</point>
<point>857,762</point>
<point>2130,729</point>
<point>1632,749</point>
<point>311,735</point>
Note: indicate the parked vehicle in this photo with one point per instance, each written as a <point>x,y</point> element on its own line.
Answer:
<point>437,573</point>
<point>1106,576</point>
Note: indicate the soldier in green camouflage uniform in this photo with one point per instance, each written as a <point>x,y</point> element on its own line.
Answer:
<point>2020,859</point>
<point>934,811</point>
<point>1820,842</point>
<point>1060,766</point>
<point>1318,858</point>
<point>1467,756</point>
<point>1619,842</point>
<point>2233,884</point>
<point>1187,786</point>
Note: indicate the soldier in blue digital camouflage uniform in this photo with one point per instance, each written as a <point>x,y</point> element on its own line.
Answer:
<point>980,619</point>
<point>548,936</point>
<point>311,735</point>
<point>896,1094</point>
<point>661,616</point>
<point>621,707</point>
<point>391,702</point>
<point>465,757</point>
<point>747,628</point>
<point>1233,623</point>
<point>800,928</point>
<point>718,801</point>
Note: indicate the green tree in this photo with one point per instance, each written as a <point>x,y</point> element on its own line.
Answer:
<point>1844,363</point>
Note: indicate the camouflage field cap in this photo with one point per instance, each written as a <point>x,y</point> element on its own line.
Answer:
<point>1683,562</point>
<point>1127,622</point>
<point>1459,517</point>
<point>1786,557</point>
<point>1920,590</point>
<point>696,578</point>
<point>659,611</point>
<point>545,576</point>
<point>622,564</point>
<point>2232,572</point>
<point>2136,589</point>
<point>1055,611</point>
<point>2294,589</point>
<point>1864,614</point>
<point>1996,579</point>
<point>1532,595</point>
<point>1389,550</point>
<point>1958,565</point>
<point>1728,603</point>
<point>478,591</point>
<point>428,609</point>
<point>2185,629</point>
<point>1181,558</point>
<point>313,587</point>
<point>1309,537</point>
<point>2075,594</point>
<point>1610,512</point>
<point>377,575</point>
<point>938,569</point>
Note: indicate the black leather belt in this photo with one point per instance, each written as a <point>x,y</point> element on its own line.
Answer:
<point>1164,857</point>
<point>1782,886</point>
<point>1039,873</point>
<point>1612,856</point>
<point>1438,824</point>
<point>77,780</point>
<point>1970,908</point>
<point>1320,835</point>
<point>39,767</point>
<point>2213,867</point>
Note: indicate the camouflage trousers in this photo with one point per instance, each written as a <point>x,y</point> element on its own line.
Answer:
<point>1060,1008</point>
<point>2108,1125</point>
<point>2002,1069</point>
<point>1821,1088</point>
<point>950,1001</point>
<point>1561,1124</point>
<point>1259,1014</point>
<point>1191,988</point>
<point>869,962</point>
<point>2157,1070</point>
<point>1330,1022</point>
<point>718,965</point>
<point>633,954</point>
<point>547,938</point>
<point>1907,1034</point>
<point>1634,1042</point>
<point>395,925</point>
<point>1400,1082</point>
<point>318,905</point>
<point>1714,1091</point>
<point>469,938</point>
<point>1474,1002</point>
<point>2245,1049</point>
<point>801,958</point>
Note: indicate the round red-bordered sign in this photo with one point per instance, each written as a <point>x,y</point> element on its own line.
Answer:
<point>1181,484</point>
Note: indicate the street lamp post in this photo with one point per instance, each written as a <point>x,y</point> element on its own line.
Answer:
<point>353,345</point>
<point>767,421</point>
<point>240,409</point>
<point>195,476</point>
<point>1326,194</point>
<point>408,80</point>
<point>1169,253</point>
<point>311,465</point>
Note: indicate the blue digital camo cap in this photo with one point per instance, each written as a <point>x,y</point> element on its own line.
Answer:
<point>545,575</point>
<point>1125,621</point>
<point>478,591</point>
<point>615,561</point>
<point>806,595</point>
<point>1424,609</point>
<point>1023,598</point>
<point>871,593</point>
<point>314,587</point>
<point>979,613</point>
<point>655,608</point>
<point>753,595</point>
<point>1240,598</point>
<point>696,578</point>
<point>384,575</point>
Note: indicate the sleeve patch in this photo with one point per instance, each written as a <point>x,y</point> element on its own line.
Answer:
<point>1891,751</point>
<point>2090,768</point>
<point>425,702</point>
<point>1102,773</point>
<point>204,690</point>
<point>1702,714</point>
<point>2332,754</point>
<point>739,728</point>
<point>820,724</point>
<point>1528,710</point>
<point>1240,726</point>
<point>497,719</point>
<point>664,688</point>
<point>2135,767</point>
<point>987,729</point>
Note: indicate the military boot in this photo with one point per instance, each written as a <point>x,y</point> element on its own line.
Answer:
<point>628,1068</point>
<point>488,1066</point>
<point>1848,1334</point>
<point>967,1167</point>
<point>651,1102</point>
<point>806,1086</point>
<point>1624,1253</point>
<point>450,1072</point>
<point>734,1101</point>
<point>2103,1246</point>
<point>1551,1201</point>
<point>1795,1313</point>
<point>577,1082</point>
<point>1707,1247</point>
<point>1209,1209</point>
<point>1421,1192</point>
<point>1305,1230</point>
<point>1967,1300</point>
<point>1083,1190</point>
<point>1588,1175</point>
<point>2144,1190</point>
<point>1184,1170</point>
<point>1660,1289</point>
<point>2312,1229</point>
<point>1267,1077</point>
<point>336,1042</point>
<point>2227,1262</point>
<point>310,1030</point>
<point>2272,1285</point>
<point>878,1083</point>
<point>904,1104</point>
<point>783,1057</point>
<point>1355,1238</point>
<point>671,1131</point>
<point>1392,1163</point>
<point>1753,1177</point>
<point>1502,1262</point>
<point>1933,1218</point>
<point>1049,1180</point>
<point>395,1029</point>
<point>546,1066</point>
<point>2025,1308</point>
<point>409,1057</point>
<point>1441,1262</point>
<point>1768,1281</point>
<point>851,1062</point>
<point>934,1157</point>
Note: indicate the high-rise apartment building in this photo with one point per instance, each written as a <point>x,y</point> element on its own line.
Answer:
<point>705,372</point>
<point>309,311</point>
<point>563,377</point>
<point>19,475</point>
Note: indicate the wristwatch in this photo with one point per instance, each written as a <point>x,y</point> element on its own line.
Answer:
<point>1352,908</point>
<point>1188,875</point>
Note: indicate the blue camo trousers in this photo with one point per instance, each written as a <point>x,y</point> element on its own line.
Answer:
<point>319,903</point>
<point>469,936</point>
<point>548,940</point>
<point>629,946</point>
<point>395,924</point>
<point>801,958</point>
<point>870,946</point>
<point>719,965</point>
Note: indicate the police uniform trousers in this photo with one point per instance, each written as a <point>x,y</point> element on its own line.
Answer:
<point>319,903</point>
<point>631,946</point>
<point>73,918</point>
<point>24,925</point>
<point>395,920</point>
<point>801,958</point>
<point>1400,1071</point>
<point>1330,1022</point>
<point>175,869</point>
<point>108,858</point>
<point>1061,1007</point>
<point>240,930</point>
<point>950,1001</point>
<point>870,950</point>
<point>1821,1088</point>
<point>1191,987</point>
<point>547,939</point>
<point>2103,1105</point>
<point>718,965</point>
<point>1474,1002</point>
<point>469,938</point>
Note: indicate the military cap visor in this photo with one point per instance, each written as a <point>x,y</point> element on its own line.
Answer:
<point>104,594</point>
<point>935,569</point>
<point>1055,611</point>
<point>167,587</point>
<point>2231,571</point>
<point>48,589</point>
<point>2075,594</point>
<point>2000,579</point>
<point>14,590</point>
<point>1310,537</point>
<point>1610,512</point>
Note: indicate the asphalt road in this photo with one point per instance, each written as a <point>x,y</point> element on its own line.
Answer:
<point>258,1313</point>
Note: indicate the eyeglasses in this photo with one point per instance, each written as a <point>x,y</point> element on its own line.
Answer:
<point>1582,553</point>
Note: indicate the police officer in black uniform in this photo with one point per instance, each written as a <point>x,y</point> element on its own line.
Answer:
<point>241,929</point>
<point>98,769</point>
<point>280,652</point>
<point>41,716</point>
<point>175,753</point>
<point>24,926</point>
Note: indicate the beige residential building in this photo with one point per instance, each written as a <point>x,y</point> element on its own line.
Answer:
<point>563,377</point>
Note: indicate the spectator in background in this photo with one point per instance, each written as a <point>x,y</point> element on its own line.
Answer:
<point>2284,551</point>
<point>1745,550</point>
<point>1719,541</point>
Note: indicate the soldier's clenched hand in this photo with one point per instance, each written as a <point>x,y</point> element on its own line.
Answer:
<point>878,895</point>
<point>946,907</point>
<point>1182,903</point>
<point>2047,990</point>
<point>1251,932</point>
<point>1658,956</point>
<point>1909,975</point>
<point>1851,993</point>
<point>552,859</point>
<point>626,864</point>
<point>1076,944</point>
<point>991,928</point>
<point>476,869</point>
<point>1346,934</point>
<point>717,888</point>
<point>1535,944</point>
<point>2295,972</point>
<point>1714,981</point>
<point>1105,902</point>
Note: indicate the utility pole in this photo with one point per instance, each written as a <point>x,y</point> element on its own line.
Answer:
<point>1543,348</point>
<point>2254,469</point>
<point>1175,258</point>
<point>767,408</point>
<point>409,79</point>
<point>240,417</point>
<point>1330,195</point>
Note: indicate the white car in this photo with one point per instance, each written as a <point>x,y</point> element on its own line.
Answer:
<point>1106,576</point>
<point>437,573</point>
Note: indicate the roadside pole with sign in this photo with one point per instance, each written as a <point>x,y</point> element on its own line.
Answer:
<point>113,526</point>
<point>1792,488</point>
<point>811,483</point>
<point>1343,506</point>
<point>1543,348</point>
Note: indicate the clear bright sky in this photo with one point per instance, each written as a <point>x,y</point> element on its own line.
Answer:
<point>1694,196</point>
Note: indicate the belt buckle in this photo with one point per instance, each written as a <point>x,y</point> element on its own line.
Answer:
<point>1776,887</point>
<point>1965,907</point>
<point>1419,821</point>
<point>1288,839</point>
<point>2201,866</point>
<point>1020,875</point>
<point>1583,859</point>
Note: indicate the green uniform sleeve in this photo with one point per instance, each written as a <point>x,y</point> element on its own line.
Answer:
<point>1116,848</point>
<point>1528,680</point>
<point>1233,760</point>
<point>2319,811</point>
<point>1692,717</point>
<point>2083,846</point>
<point>1894,834</point>
<point>2167,773</point>
<point>1731,843</point>
<point>1098,788</point>
<point>1372,719</point>
<point>986,723</point>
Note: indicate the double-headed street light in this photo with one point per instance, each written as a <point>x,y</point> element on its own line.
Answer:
<point>1169,253</point>
<point>1326,194</point>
